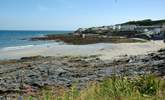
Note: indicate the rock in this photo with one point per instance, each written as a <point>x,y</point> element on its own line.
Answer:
<point>30,58</point>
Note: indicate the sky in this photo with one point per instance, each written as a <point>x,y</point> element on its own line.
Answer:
<point>73,14</point>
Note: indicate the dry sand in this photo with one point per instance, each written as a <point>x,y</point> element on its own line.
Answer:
<point>105,50</point>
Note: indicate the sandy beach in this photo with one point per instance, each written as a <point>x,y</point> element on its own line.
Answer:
<point>104,50</point>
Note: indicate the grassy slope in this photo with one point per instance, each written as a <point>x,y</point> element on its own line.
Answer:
<point>147,22</point>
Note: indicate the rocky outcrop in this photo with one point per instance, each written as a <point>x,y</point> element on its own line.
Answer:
<point>87,39</point>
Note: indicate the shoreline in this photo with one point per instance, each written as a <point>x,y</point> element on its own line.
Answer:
<point>104,50</point>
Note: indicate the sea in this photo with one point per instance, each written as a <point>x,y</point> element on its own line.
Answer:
<point>20,39</point>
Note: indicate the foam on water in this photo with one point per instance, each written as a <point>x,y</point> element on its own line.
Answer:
<point>30,46</point>
<point>16,47</point>
<point>21,39</point>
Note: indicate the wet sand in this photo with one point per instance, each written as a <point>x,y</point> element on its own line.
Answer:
<point>104,50</point>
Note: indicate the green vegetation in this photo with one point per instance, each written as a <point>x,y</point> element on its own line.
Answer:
<point>115,88</point>
<point>147,22</point>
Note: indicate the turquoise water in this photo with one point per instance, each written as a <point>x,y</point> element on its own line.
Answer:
<point>22,38</point>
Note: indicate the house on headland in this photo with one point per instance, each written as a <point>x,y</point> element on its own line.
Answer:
<point>151,29</point>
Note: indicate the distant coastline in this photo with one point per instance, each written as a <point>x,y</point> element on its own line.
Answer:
<point>129,32</point>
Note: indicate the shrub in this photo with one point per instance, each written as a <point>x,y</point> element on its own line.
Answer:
<point>147,85</point>
<point>117,88</point>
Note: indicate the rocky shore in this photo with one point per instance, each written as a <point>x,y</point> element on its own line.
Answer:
<point>87,39</point>
<point>37,72</point>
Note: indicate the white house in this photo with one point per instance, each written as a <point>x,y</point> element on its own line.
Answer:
<point>157,30</point>
<point>116,27</point>
<point>128,27</point>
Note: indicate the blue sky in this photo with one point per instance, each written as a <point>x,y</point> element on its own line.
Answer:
<point>72,14</point>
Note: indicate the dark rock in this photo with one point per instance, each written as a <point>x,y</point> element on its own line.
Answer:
<point>30,58</point>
